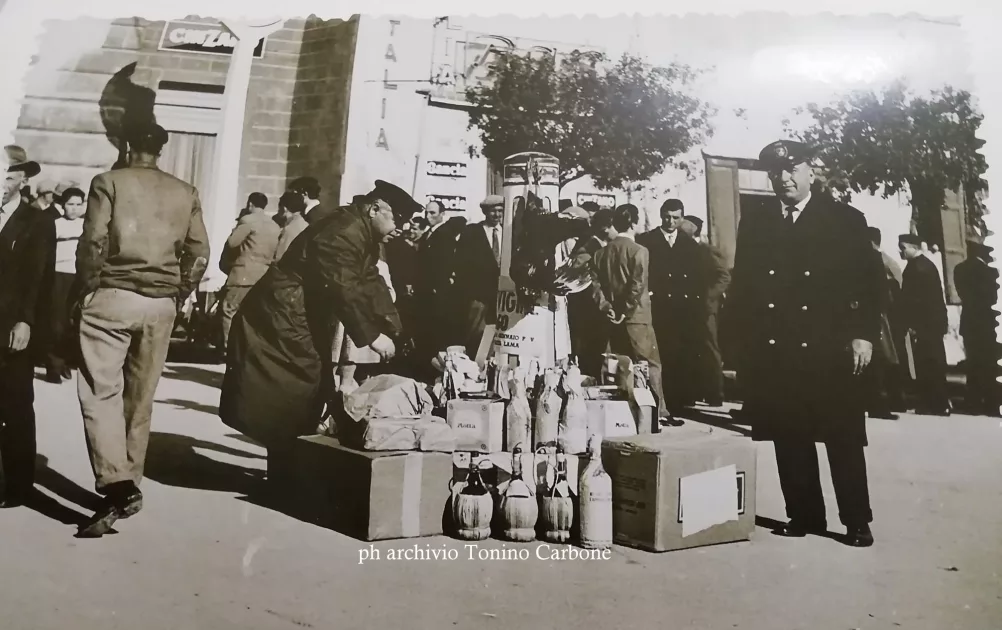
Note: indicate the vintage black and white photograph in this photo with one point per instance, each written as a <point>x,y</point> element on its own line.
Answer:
<point>388,319</point>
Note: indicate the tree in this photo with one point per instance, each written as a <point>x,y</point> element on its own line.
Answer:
<point>897,141</point>
<point>618,123</point>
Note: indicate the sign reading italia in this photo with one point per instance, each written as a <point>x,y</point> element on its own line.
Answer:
<point>193,37</point>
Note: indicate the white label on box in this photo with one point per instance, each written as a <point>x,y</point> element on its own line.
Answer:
<point>707,499</point>
<point>644,398</point>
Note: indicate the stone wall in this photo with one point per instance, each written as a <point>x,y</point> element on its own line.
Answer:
<point>319,116</point>
<point>61,123</point>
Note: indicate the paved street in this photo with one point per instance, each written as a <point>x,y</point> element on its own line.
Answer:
<point>201,555</point>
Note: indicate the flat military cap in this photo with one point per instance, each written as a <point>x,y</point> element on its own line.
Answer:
<point>911,239</point>
<point>785,153</point>
<point>45,186</point>
<point>402,204</point>
<point>17,160</point>
<point>492,201</point>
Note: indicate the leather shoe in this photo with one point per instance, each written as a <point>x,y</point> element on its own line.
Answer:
<point>130,504</point>
<point>671,421</point>
<point>794,529</point>
<point>859,536</point>
<point>101,523</point>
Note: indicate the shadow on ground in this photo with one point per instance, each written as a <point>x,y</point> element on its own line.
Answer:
<point>59,485</point>
<point>194,374</point>
<point>173,460</point>
<point>718,419</point>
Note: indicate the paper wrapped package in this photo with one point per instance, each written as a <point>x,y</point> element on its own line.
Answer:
<point>427,433</point>
<point>388,396</point>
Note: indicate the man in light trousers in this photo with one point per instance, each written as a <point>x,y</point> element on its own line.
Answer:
<point>143,251</point>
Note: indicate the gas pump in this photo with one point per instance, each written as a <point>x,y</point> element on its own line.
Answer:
<point>536,327</point>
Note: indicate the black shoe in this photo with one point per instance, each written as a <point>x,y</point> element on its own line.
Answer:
<point>101,523</point>
<point>883,415</point>
<point>671,421</point>
<point>130,504</point>
<point>53,377</point>
<point>793,529</point>
<point>859,536</point>
<point>715,402</point>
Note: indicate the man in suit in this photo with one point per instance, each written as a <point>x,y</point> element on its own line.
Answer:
<point>434,292</point>
<point>923,315</point>
<point>886,374</point>
<point>310,189</point>
<point>620,290</point>
<point>712,385</point>
<point>588,326</point>
<point>477,269</point>
<point>977,285</point>
<point>681,276</point>
<point>804,299</point>
<point>247,255</point>
<point>27,248</point>
<point>143,251</point>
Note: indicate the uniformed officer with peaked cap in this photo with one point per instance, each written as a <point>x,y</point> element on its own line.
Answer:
<point>806,315</point>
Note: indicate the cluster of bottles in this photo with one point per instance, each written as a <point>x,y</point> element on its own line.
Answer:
<point>544,507</point>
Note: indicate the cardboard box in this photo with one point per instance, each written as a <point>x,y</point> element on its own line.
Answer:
<point>370,495</point>
<point>681,489</point>
<point>611,418</point>
<point>477,424</point>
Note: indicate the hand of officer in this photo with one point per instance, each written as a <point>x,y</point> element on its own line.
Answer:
<point>20,335</point>
<point>862,352</point>
<point>384,347</point>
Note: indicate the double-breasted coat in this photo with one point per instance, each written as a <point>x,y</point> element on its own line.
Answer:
<point>800,294</point>
<point>279,365</point>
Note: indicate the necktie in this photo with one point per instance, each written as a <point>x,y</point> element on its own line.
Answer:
<point>496,244</point>
<point>790,216</point>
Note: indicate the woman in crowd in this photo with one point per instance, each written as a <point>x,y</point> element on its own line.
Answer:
<point>62,355</point>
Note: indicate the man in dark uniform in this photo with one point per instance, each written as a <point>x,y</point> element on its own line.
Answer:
<point>923,313</point>
<point>681,274</point>
<point>279,367</point>
<point>478,267</point>
<point>804,297</point>
<point>27,249</point>
<point>885,371</point>
<point>434,293</point>
<point>977,285</point>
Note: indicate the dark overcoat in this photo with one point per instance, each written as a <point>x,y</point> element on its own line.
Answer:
<point>800,294</point>
<point>680,280</point>
<point>279,365</point>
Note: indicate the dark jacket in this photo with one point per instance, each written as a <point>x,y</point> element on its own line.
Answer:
<point>437,257</point>
<point>977,286</point>
<point>620,283</point>
<point>680,279</point>
<point>798,297</point>
<point>27,248</point>
<point>143,232</point>
<point>922,303</point>
<point>476,270</point>
<point>317,214</point>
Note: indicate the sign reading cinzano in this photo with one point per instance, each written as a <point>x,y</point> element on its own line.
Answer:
<point>193,37</point>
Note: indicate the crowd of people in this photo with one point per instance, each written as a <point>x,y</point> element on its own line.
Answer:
<point>820,326</point>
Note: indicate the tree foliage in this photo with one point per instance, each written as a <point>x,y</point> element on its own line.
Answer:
<point>616,122</point>
<point>898,141</point>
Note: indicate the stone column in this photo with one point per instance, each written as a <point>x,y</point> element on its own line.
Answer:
<point>224,202</point>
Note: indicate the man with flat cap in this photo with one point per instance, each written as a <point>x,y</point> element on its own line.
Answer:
<point>279,367</point>
<point>27,246</point>
<point>923,313</point>
<point>805,302</point>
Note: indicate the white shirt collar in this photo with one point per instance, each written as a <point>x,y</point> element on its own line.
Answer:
<point>489,231</point>
<point>670,237</point>
<point>798,208</point>
<point>311,204</point>
<point>11,205</point>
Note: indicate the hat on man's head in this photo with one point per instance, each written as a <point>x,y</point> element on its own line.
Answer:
<point>146,136</point>
<point>403,205</point>
<point>784,154</point>
<point>63,186</point>
<point>492,201</point>
<point>911,239</point>
<point>17,160</point>
<point>45,186</point>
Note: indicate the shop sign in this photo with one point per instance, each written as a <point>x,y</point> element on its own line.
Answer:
<point>202,38</point>
<point>603,201</point>
<point>449,202</point>
<point>446,169</point>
